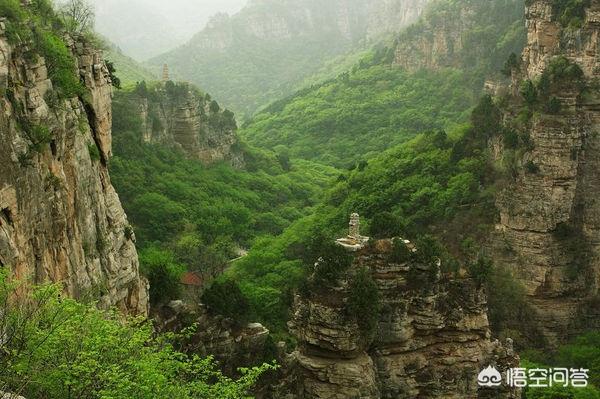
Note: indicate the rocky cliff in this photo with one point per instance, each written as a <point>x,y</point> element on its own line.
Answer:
<point>472,35</point>
<point>430,338</point>
<point>267,50</point>
<point>179,115</point>
<point>549,228</point>
<point>60,217</point>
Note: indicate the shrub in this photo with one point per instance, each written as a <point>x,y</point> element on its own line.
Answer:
<point>529,92</point>
<point>332,263</point>
<point>60,63</point>
<point>480,270</point>
<point>531,167</point>
<point>94,152</point>
<point>40,137</point>
<point>55,347</point>
<point>570,13</point>
<point>226,298</point>
<point>486,117</point>
<point>116,82</point>
<point>386,225</point>
<point>163,273</point>
<point>511,139</point>
<point>400,252</point>
<point>510,64</point>
<point>363,302</point>
<point>554,106</point>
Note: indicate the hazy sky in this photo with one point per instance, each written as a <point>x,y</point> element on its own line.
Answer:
<point>144,28</point>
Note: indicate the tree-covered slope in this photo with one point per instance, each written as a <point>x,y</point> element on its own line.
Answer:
<point>196,217</point>
<point>392,94</point>
<point>267,49</point>
<point>129,71</point>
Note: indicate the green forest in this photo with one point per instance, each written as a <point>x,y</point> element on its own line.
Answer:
<point>414,151</point>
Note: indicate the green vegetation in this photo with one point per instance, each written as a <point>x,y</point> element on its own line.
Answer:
<point>434,184</point>
<point>55,347</point>
<point>582,352</point>
<point>226,298</point>
<point>204,215</point>
<point>570,13</point>
<point>361,113</point>
<point>38,24</point>
<point>163,272</point>
<point>363,303</point>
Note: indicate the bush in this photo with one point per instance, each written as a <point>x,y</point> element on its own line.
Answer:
<point>60,63</point>
<point>226,298</point>
<point>363,302</point>
<point>531,167</point>
<point>570,13</point>
<point>40,137</point>
<point>510,64</point>
<point>55,347</point>
<point>332,263</point>
<point>385,225</point>
<point>163,273</point>
<point>554,106</point>
<point>529,92</point>
<point>480,270</point>
<point>94,152</point>
<point>486,117</point>
<point>400,252</point>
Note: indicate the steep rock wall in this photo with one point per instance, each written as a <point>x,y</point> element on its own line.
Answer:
<point>60,217</point>
<point>179,115</point>
<point>549,228</point>
<point>431,337</point>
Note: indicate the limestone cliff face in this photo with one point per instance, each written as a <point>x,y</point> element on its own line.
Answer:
<point>467,34</point>
<point>431,337</point>
<point>390,16</point>
<point>60,217</point>
<point>179,115</point>
<point>549,228</point>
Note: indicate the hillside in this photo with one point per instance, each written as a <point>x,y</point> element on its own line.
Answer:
<point>198,214</point>
<point>129,71</point>
<point>383,101</point>
<point>263,52</point>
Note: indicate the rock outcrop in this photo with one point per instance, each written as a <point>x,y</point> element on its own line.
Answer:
<point>231,344</point>
<point>549,228</point>
<point>179,115</point>
<point>431,336</point>
<point>60,217</point>
<point>450,34</point>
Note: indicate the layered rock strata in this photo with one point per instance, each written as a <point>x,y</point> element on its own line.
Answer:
<point>549,228</point>
<point>60,217</point>
<point>431,338</point>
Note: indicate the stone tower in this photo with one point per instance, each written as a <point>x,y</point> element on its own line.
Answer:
<point>165,74</point>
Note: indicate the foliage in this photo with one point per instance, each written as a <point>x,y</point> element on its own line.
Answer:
<point>55,347</point>
<point>77,16</point>
<point>420,183</point>
<point>40,137</point>
<point>570,13</point>
<point>385,225</point>
<point>60,64</point>
<point>94,152</point>
<point>481,269</point>
<point>361,113</point>
<point>226,298</point>
<point>163,272</point>
<point>114,78</point>
<point>203,215</point>
<point>331,264</point>
<point>511,63</point>
<point>363,301</point>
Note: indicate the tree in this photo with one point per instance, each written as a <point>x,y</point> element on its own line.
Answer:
<point>56,347</point>
<point>78,16</point>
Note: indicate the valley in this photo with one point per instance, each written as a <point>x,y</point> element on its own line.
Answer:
<point>375,199</point>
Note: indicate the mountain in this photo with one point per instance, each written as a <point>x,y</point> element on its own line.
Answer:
<point>60,217</point>
<point>427,79</point>
<point>128,70</point>
<point>264,51</point>
<point>146,28</point>
<point>547,231</point>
